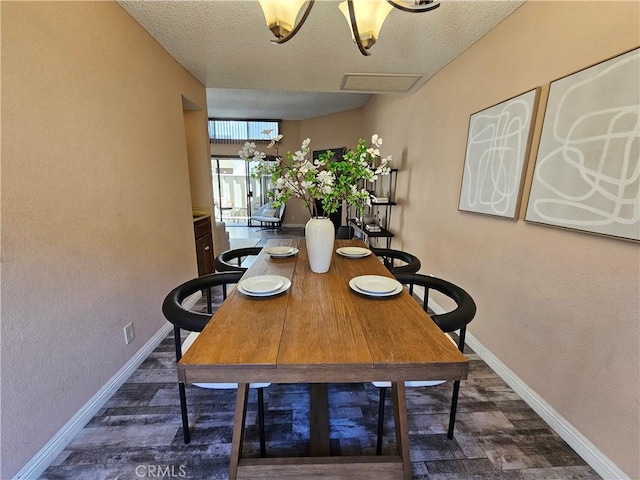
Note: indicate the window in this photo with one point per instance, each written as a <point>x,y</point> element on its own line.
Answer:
<point>239,131</point>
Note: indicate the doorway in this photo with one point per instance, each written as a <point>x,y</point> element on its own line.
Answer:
<point>236,194</point>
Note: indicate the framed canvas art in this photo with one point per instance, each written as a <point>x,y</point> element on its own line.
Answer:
<point>587,172</point>
<point>497,149</point>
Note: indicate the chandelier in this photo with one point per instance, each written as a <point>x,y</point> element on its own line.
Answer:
<point>365,17</point>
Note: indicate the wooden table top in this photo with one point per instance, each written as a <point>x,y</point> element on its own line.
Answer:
<point>320,330</point>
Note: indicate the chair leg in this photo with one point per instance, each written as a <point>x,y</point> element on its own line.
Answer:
<point>383,392</point>
<point>183,409</point>
<point>183,394</point>
<point>456,387</point>
<point>263,449</point>
<point>454,407</point>
<point>209,303</point>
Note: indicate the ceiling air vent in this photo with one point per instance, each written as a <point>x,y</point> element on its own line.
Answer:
<point>379,82</point>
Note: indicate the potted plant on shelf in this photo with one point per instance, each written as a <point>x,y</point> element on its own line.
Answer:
<point>332,182</point>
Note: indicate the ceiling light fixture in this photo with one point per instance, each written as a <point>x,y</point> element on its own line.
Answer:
<point>365,17</point>
<point>281,16</point>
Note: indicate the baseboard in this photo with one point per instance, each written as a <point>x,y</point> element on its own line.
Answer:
<point>293,225</point>
<point>47,454</point>
<point>576,440</point>
<point>582,446</point>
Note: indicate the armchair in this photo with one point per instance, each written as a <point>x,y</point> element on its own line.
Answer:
<point>269,215</point>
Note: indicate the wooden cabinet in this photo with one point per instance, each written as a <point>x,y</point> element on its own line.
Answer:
<point>204,245</point>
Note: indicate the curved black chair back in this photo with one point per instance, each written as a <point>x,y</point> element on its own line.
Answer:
<point>231,260</point>
<point>186,319</point>
<point>344,233</point>
<point>411,263</point>
<point>456,319</point>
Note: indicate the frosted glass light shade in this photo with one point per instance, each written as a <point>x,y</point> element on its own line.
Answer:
<point>369,16</point>
<point>281,15</point>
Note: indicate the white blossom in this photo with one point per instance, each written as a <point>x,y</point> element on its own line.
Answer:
<point>326,177</point>
<point>300,176</point>
<point>299,156</point>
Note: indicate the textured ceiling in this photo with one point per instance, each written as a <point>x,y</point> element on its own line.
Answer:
<point>226,45</point>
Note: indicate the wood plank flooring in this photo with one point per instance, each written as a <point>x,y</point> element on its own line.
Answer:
<point>138,433</point>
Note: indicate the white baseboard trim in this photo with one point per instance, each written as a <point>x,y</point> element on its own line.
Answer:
<point>47,454</point>
<point>582,446</point>
<point>576,440</point>
<point>294,225</point>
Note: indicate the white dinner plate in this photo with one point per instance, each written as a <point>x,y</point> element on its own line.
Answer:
<point>375,286</point>
<point>353,252</point>
<point>376,283</point>
<point>281,251</point>
<point>286,284</point>
<point>262,284</point>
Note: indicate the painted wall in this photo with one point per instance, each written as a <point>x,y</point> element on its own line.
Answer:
<point>197,143</point>
<point>96,207</point>
<point>559,308</point>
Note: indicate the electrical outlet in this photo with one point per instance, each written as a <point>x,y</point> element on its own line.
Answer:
<point>129,334</point>
<point>293,217</point>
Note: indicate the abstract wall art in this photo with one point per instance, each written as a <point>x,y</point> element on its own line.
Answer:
<point>497,148</point>
<point>587,171</point>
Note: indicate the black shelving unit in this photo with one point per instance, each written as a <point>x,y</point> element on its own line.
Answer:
<point>380,212</point>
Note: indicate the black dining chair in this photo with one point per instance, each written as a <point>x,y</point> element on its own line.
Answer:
<point>456,319</point>
<point>194,322</point>
<point>231,260</point>
<point>344,233</point>
<point>397,261</point>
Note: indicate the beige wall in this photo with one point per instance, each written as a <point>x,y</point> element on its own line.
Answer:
<point>559,308</point>
<point>96,207</point>
<point>197,144</point>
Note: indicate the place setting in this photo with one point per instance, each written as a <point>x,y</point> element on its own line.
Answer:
<point>281,251</point>
<point>264,285</point>
<point>375,286</point>
<point>353,252</point>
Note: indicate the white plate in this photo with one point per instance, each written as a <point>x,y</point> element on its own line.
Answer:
<point>375,284</point>
<point>262,284</point>
<point>280,251</point>
<point>286,284</point>
<point>353,252</point>
<point>354,287</point>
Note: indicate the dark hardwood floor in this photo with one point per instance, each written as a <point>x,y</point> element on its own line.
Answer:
<point>138,433</point>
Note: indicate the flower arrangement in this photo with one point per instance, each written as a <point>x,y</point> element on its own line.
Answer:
<point>298,175</point>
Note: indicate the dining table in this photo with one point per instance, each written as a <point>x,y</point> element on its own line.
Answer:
<point>318,330</point>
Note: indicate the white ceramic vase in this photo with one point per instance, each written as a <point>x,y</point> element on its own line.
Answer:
<point>319,234</point>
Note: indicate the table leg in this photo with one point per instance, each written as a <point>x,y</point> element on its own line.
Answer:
<point>320,464</point>
<point>319,421</point>
<point>402,426</point>
<point>242,397</point>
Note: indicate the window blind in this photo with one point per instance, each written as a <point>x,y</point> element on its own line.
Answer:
<point>240,131</point>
